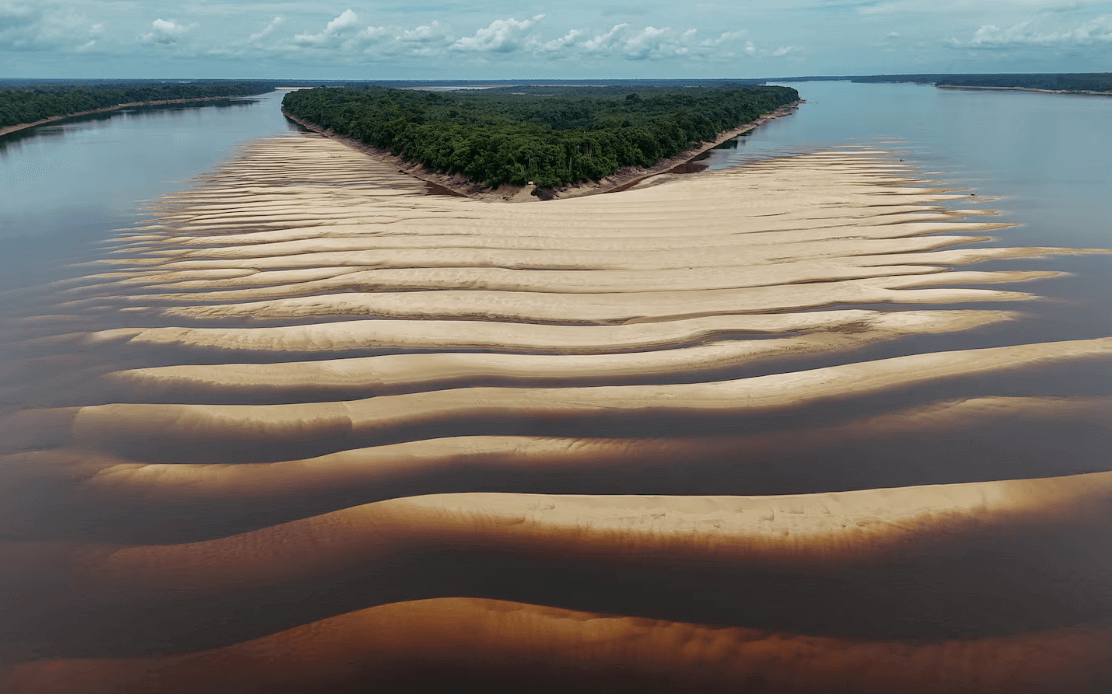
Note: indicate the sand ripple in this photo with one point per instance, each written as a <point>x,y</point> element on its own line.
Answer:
<point>309,429</point>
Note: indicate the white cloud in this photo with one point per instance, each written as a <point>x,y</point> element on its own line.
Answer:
<point>334,33</point>
<point>723,38</point>
<point>648,43</point>
<point>426,33</point>
<point>605,43</point>
<point>502,36</point>
<point>569,39</point>
<point>1095,31</point>
<point>267,30</point>
<point>228,33</point>
<point>165,32</point>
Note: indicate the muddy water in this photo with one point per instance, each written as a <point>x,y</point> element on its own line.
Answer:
<point>186,485</point>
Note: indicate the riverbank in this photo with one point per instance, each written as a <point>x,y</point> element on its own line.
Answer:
<point>106,109</point>
<point>1024,89</point>
<point>621,179</point>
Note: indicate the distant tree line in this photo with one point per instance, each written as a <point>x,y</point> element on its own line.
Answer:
<point>546,134</point>
<point>1070,82</point>
<point>34,102</point>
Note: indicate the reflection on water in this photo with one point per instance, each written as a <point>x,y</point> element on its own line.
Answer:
<point>209,444</point>
<point>67,184</point>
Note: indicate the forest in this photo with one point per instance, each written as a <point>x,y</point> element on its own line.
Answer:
<point>550,135</point>
<point>1070,82</point>
<point>34,102</point>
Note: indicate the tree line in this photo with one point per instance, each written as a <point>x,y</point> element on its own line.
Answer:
<point>1069,81</point>
<point>549,135</point>
<point>34,102</point>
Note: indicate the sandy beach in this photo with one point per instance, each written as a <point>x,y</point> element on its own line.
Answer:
<point>309,427</point>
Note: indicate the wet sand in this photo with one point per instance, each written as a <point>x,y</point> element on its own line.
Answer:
<point>310,428</point>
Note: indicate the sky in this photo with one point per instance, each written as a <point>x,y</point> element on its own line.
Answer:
<point>575,39</point>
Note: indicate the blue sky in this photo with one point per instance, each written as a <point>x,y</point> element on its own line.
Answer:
<point>490,39</point>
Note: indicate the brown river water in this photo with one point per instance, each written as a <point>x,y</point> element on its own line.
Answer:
<point>826,411</point>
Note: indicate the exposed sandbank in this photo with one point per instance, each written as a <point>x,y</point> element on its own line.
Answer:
<point>245,465</point>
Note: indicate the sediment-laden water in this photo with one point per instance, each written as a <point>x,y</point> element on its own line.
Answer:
<point>802,425</point>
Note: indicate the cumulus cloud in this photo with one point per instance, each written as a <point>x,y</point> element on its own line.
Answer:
<point>563,43</point>
<point>502,36</point>
<point>1095,31</point>
<point>267,30</point>
<point>647,43</point>
<point>348,38</point>
<point>426,34</point>
<point>165,32</point>
<point>606,43</point>
<point>333,34</point>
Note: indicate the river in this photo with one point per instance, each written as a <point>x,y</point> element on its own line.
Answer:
<point>167,458</point>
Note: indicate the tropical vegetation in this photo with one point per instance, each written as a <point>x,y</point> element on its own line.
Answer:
<point>549,135</point>
<point>35,102</point>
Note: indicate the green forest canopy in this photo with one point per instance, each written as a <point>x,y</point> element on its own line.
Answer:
<point>35,102</point>
<point>549,135</point>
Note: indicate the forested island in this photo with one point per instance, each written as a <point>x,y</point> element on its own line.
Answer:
<point>1065,82</point>
<point>547,135</point>
<point>36,102</point>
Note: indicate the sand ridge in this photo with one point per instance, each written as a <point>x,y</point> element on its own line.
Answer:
<point>311,425</point>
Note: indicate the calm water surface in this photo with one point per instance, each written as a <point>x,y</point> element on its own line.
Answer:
<point>1043,161</point>
<point>73,182</point>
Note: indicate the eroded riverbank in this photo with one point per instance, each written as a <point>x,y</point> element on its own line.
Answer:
<point>619,180</point>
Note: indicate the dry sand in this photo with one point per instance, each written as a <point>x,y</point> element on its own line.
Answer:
<point>321,429</point>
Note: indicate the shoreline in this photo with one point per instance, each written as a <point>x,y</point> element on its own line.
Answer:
<point>1025,89</point>
<point>53,119</point>
<point>620,180</point>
